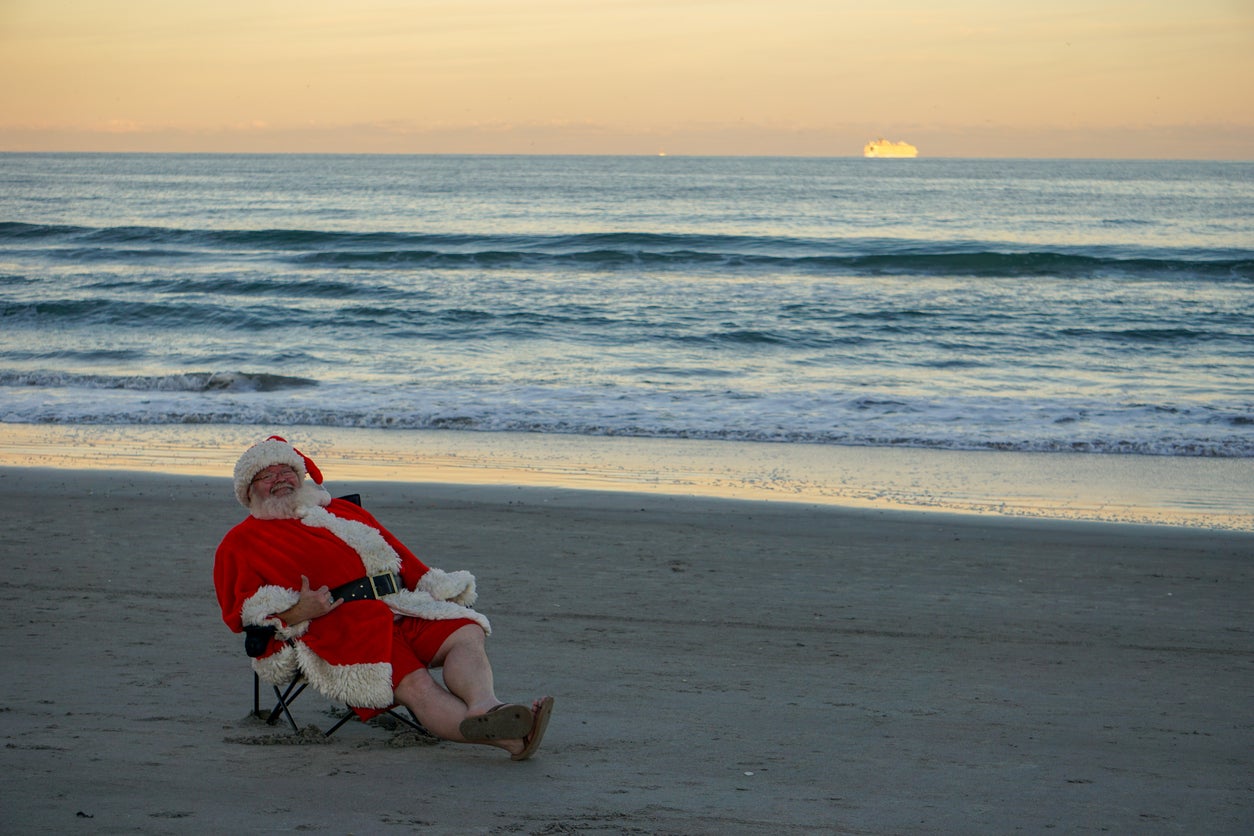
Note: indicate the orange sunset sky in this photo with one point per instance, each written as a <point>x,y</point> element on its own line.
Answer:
<point>968,78</point>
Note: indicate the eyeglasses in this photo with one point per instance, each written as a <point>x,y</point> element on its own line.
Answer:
<point>273,475</point>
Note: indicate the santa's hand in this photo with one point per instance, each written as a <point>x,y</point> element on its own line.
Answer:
<point>312,604</point>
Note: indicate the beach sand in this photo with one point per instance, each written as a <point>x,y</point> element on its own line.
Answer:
<point>1199,492</point>
<point>719,667</point>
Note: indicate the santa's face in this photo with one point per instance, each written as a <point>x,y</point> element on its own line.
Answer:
<point>277,480</point>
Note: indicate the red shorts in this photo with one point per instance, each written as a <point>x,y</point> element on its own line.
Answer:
<point>415,642</point>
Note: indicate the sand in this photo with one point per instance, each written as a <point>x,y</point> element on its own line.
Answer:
<point>1197,492</point>
<point>719,666</point>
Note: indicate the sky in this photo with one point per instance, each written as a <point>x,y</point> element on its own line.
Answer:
<point>967,78</point>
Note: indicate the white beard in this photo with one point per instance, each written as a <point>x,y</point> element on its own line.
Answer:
<point>289,506</point>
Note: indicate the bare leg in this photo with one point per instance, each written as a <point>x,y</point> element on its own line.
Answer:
<point>438,710</point>
<point>441,712</point>
<point>468,678</point>
<point>467,671</point>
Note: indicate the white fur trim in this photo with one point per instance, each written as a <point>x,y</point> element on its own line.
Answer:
<point>420,604</point>
<point>260,456</point>
<point>377,555</point>
<point>458,587</point>
<point>364,686</point>
<point>260,609</point>
<point>279,668</point>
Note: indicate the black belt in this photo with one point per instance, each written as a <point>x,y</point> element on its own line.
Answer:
<point>369,587</point>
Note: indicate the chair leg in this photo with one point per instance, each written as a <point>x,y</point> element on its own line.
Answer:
<point>412,723</point>
<point>293,691</point>
<point>350,715</point>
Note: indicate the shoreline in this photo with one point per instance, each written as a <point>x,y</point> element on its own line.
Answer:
<point>1202,493</point>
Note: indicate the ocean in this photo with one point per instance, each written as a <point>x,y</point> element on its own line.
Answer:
<point>1103,308</point>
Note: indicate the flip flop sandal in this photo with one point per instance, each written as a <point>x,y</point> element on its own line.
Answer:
<point>505,722</point>
<point>532,740</point>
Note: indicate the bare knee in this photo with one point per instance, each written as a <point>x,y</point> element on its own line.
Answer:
<point>470,634</point>
<point>415,687</point>
<point>470,637</point>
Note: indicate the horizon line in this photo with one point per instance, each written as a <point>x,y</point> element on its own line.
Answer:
<point>643,154</point>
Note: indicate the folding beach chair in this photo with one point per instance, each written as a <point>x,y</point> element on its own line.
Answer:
<point>255,641</point>
<point>286,696</point>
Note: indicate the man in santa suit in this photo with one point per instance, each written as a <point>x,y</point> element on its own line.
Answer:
<point>355,612</point>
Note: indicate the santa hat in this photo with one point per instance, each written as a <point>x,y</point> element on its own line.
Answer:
<point>263,454</point>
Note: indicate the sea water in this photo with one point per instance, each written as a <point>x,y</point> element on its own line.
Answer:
<point>1024,306</point>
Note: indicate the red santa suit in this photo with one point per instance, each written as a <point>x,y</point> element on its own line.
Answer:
<point>348,653</point>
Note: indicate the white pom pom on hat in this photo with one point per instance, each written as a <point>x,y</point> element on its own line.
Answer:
<point>263,454</point>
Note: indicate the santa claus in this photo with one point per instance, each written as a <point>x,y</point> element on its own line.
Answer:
<point>355,612</point>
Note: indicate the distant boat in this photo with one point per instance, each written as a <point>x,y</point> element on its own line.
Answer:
<point>883,148</point>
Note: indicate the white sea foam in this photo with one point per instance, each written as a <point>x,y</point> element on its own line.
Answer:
<point>973,424</point>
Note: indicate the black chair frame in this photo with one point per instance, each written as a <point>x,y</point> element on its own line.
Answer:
<point>286,696</point>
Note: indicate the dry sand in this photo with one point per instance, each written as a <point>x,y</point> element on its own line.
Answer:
<point>719,667</point>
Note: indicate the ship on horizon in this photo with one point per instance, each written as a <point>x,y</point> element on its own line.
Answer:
<point>884,148</point>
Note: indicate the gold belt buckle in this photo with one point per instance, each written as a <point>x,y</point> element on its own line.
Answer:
<point>392,582</point>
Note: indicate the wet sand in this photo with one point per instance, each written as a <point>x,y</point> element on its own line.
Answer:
<point>719,666</point>
<point>1197,492</point>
